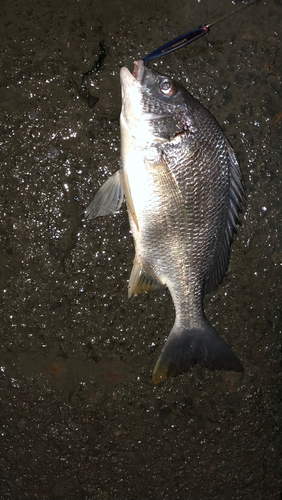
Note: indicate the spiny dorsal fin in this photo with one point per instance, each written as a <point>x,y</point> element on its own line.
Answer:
<point>236,200</point>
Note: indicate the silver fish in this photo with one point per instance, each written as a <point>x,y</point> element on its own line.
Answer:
<point>184,191</point>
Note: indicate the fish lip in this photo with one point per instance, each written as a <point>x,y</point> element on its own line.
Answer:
<point>139,69</point>
<point>137,76</point>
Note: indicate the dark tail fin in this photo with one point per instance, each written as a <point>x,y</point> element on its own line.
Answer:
<point>185,348</point>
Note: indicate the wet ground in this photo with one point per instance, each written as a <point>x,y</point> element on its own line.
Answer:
<point>80,416</point>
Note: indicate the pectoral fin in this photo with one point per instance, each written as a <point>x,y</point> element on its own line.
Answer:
<point>139,282</point>
<point>108,199</point>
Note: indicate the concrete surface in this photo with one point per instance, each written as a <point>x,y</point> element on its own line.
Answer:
<point>80,416</point>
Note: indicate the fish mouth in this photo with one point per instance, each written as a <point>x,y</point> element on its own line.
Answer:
<point>137,75</point>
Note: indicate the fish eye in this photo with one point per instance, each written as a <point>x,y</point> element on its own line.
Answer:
<point>167,87</point>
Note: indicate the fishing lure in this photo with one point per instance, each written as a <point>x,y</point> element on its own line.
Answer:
<point>186,38</point>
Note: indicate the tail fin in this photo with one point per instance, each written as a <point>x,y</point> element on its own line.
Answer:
<point>187,347</point>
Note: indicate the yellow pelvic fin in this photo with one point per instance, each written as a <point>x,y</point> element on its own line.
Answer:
<point>129,200</point>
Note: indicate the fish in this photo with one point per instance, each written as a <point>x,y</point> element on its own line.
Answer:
<point>184,192</point>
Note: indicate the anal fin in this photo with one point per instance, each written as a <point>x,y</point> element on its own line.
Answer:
<point>139,282</point>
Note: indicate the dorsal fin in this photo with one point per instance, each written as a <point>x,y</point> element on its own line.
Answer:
<point>236,200</point>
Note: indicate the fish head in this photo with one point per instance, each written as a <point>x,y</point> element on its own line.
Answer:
<point>154,107</point>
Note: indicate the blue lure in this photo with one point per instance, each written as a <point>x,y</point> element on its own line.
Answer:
<point>186,38</point>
